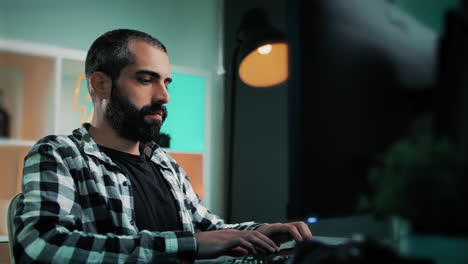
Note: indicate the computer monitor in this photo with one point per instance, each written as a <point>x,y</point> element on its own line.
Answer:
<point>362,74</point>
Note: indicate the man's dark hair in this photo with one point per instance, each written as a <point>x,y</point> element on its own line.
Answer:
<point>110,53</point>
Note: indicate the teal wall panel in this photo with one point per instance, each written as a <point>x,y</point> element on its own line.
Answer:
<point>186,113</point>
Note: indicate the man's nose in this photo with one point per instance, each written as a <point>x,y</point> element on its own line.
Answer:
<point>160,93</point>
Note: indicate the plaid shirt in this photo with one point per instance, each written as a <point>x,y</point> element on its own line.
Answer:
<point>77,207</point>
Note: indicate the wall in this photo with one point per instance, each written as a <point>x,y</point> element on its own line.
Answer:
<point>189,29</point>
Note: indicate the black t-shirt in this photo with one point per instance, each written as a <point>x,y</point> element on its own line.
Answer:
<point>154,204</point>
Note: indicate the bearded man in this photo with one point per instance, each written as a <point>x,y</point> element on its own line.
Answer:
<point>108,193</point>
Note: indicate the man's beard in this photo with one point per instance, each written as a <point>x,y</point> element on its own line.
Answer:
<point>129,122</point>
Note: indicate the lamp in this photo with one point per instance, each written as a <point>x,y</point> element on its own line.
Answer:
<point>263,52</point>
<point>262,57</point>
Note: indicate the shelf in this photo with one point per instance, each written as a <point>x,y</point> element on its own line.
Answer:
<point>16,142</point>
<point>28,85</point>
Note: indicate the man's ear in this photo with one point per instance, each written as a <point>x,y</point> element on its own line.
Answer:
<point>101,84</point>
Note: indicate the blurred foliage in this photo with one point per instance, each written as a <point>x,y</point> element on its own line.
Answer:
<point>422,180</point>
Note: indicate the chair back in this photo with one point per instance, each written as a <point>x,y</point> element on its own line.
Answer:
<point>11,211</point>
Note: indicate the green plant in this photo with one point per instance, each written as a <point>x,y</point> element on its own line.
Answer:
<point>423,181</point>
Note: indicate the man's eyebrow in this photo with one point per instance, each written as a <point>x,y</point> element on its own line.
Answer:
<point>153,74</point>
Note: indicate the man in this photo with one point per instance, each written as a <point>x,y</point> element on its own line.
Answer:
<point>108,193</point>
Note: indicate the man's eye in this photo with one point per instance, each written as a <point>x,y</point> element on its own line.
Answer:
<point>143,80</point>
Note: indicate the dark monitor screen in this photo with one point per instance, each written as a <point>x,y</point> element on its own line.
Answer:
<point>361,75</point>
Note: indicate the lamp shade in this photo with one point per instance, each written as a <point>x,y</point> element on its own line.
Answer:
<point>263,51</point>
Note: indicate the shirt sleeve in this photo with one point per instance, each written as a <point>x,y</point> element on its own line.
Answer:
<point>49,231</point>
<point>202,218</point>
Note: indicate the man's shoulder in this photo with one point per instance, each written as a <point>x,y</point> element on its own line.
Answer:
<point>55,147</point>
<point>53,143</point>
<point>56,140</point>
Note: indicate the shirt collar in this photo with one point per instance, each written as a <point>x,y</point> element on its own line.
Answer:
<point>90,147</point>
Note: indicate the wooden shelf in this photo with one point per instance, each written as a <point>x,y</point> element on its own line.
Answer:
<point>16,142</point>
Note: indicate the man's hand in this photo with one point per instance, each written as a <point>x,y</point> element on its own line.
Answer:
<point>233,242</point>
<point>281,233</point>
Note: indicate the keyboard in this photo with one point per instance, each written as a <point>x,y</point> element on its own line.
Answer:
<point>281,257</point>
